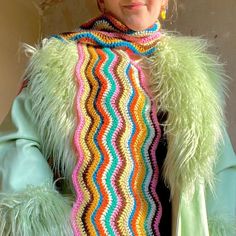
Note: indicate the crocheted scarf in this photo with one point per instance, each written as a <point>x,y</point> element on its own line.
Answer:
<point>117,131</point>
<point>106,31</point>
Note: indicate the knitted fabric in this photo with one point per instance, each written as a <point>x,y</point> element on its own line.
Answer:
<point>117,132</point>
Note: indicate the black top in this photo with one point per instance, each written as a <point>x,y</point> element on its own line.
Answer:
<point>162,191</point>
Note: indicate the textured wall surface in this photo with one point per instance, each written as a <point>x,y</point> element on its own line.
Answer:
<point>64,15</point>
<point>19,22</point>
<point>212,19</point>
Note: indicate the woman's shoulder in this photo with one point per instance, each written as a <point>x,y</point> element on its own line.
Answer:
<point>51,49</point>
<point>175,36</point>
<point>179,44</point>
<point>51,61</point>
<point>190,55</point>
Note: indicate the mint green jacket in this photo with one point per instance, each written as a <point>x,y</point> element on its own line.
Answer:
<point>39,128</point>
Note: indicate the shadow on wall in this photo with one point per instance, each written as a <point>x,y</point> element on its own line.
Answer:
<point>15,29</point>
<point>64,15</point>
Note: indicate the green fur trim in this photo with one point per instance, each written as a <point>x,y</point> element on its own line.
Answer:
<point>36,211</point>
<point>222,226</point>
<point>187,83</point>
<point>52,90</point>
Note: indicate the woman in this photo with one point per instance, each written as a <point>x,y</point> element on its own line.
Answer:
<point>101,105</point>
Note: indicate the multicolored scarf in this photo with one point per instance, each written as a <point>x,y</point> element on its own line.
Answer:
<point>117,132</point>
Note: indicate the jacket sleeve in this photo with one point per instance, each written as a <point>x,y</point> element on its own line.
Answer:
<point>212,213</point>
<point>221,205</point>
<point>29,201</point>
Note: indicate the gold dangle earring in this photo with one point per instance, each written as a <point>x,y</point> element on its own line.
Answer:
<point>163,13</point>
<point>164,10</point>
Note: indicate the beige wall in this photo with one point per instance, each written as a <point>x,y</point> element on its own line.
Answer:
<point>19,22</point>
<point>67,15</point>
<point>213,19</point>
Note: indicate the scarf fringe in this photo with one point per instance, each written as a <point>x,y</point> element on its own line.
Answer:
<point>36,211</point>
<point>188,83</point>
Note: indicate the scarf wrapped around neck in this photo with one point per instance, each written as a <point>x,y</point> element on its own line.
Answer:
<point>186,81</point>
<point>110,84</point>
<point>106,31</point>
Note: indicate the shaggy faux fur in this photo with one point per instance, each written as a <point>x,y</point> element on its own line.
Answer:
<point>186,81</point>
<point>188,84</point>
<point>36,211</point>
<point>222,226</point>
<point>52,88</point>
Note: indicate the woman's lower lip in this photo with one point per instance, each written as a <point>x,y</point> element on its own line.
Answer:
<point>134,6</point>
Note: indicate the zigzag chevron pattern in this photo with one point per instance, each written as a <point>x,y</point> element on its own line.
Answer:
<point>117,133</point>
<point>107,31</point>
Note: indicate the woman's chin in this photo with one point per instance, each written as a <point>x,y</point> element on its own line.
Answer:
<point>136,25</point>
